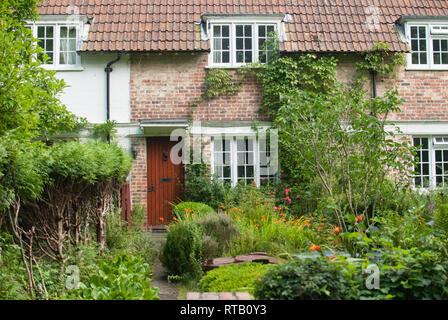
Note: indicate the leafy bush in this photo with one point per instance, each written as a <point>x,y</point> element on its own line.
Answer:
<point>219,230</point>
<point>122,278</point>
<point>304,279</point>
<point>12,274</point>
<point>441,218</point>
<point>121,238</point>
<point>182,254</point>
<point>190,210</point>
<point>200,187</point>
<point>414,274</point>
<point>233,278</point>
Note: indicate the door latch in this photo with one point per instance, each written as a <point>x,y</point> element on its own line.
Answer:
<point>151,188</point>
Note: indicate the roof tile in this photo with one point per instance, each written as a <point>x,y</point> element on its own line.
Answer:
<point>159,25</point>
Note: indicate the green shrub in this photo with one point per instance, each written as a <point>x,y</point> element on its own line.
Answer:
<point>191,210</point>
<point>304,279</point>
<point>12,272</point>
<point>182,254</point>
<point>415,274</point>
<point>200,187</point>
<point>120,238</point>
<point>233,278</point>
<point>441,218</point>
<point>219,230</point>
<point>123,277</point>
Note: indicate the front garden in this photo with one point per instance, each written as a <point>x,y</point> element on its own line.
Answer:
<point>406,245</point>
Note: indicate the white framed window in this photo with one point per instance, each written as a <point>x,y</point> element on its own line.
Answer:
<point>60,41</point>
<point>238,41</point>
<point>429,46</point>
<point>241,159</point>
<point>432,162</point>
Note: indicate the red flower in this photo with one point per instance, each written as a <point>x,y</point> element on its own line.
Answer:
<point>314,247</point>
<point>287,191</point>
<point>288,199</point>
<point>255,184</point>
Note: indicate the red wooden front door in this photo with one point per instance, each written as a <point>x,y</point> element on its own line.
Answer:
<point>165,181</point>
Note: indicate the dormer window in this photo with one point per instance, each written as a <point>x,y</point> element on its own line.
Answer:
<point>237,41</point>
<point>429,46</point>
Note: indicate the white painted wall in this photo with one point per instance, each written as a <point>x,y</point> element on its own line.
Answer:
<point>85,95</point>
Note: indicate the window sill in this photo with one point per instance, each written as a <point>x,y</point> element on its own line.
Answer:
<point>234,67</point>
<point>412,68</point>
<point>63,68</point>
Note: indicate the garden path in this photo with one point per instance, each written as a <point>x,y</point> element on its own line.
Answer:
<point>167,291</point>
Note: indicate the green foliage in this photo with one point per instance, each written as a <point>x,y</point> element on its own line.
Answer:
<point>92,161</point>
<point>219,231</point>
<point>283,75</point>
<point>123,277</point>
<point>29,93</point>
<point>190,210</point>
<point>380,59</point>
<point>182,254</point>
<point>304,279</point>
<point>233,278</point>
<point>121,238</point>
<point>441,218</point>
<point>105,131</point>
<point>12,272</point>
<point>200,187</point>
<point>336,139</point>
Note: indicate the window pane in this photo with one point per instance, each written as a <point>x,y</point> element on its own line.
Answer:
<point>262,31</point>
<point>445,58</point>
<point>414,45</point>
<point>239,43</point>
<point>225,57</point>
<point>217,31</point>
<point>63,32</point>
<point>444,45</point>
<point>415,58</point>
<point>225,31</point>
<point>72,33</point>
<point>422,32</point>
<point>239,31</point>
<point>436,45</point>
<point>248,31</point>
<point>423,59</point>
<point>414,32</point>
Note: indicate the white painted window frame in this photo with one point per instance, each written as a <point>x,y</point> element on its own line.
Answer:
<point>429,44</point>
<point>432,147</point>
<point>233,22</point>
<point>57,24</point>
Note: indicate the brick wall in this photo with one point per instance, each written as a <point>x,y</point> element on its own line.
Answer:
<point>163,86</point>
<point>425,92</point>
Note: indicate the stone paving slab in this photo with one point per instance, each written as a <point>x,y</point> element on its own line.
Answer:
<point>218,296</point>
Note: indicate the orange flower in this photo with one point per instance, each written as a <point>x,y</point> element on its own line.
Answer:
<point>161,219</point>
<point>331,258</point>
<point>314,247</point>
<point>358,218</point>
<point>337,229</point>
<point>222,207</point>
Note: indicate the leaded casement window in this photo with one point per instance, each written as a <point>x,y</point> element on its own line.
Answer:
<point>432,162</point>
<point>429,46</point>
<point>235,44</point>
<point>242,159</point>
<point>59,41</point>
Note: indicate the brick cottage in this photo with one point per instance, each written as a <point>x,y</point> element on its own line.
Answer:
<point>143,65</point>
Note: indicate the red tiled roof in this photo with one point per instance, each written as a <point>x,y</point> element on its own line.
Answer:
<point>169,25</point>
